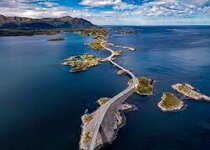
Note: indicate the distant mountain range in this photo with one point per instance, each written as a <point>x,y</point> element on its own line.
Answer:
<point>43,23</point>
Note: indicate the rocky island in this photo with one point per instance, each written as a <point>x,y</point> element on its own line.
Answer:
<point>145,86</point>
<point>81,62</point>
<point>57,39</point>
<point>95,45</point>
<point>169,102</point>
<point>189,91</point>
<point>127,31</point>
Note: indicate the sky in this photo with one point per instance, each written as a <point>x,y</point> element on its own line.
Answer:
<point>114,12</point>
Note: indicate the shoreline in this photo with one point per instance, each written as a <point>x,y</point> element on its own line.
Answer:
<point>121,114</point>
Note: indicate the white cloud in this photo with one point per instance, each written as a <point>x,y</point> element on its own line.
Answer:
<point>98,3</point>
<point>117,4</point>
<point>124,6</point>
<point>156,12</point>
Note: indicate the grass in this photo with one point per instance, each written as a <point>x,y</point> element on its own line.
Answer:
<point>81,62</point>
<point>145,86</point>
<point>183,88</point>
<point>188,91</point>
<point>96,45</point>
<point>170,100</point>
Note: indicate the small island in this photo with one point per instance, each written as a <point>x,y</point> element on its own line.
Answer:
<point>121,72</point>
<point>170,102</point>
<point>145,86</point>
<point>82,62</point>
<point>57,39</point>
<point>96,33</point>
<point>189,91</point>
<point>127,107</point>
<point>96,45</point>
<point>127,31</point>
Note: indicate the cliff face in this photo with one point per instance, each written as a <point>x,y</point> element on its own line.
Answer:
<point>44,23</point>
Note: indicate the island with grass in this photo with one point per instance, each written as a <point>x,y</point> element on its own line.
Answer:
<point>60,38</point>
<point>96,33</point>
<point>127,31</point>
<point>145,86</point>
<point>81,62</point>
<point>169,102</point>
<point>189,91</point>
<point>95,45</point>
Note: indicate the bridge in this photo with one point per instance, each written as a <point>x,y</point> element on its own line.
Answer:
<point>101,126</point>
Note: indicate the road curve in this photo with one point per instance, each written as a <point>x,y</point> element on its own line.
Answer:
<point>122,94</point>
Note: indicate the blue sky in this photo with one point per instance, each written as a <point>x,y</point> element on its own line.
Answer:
<point>114,12</point>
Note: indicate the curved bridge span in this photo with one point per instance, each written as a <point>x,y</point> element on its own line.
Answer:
<point>106,112</point>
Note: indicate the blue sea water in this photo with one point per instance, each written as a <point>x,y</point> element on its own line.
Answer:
<point>41,101</point>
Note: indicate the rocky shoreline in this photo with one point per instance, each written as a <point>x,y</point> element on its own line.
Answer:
<point>119,122</point>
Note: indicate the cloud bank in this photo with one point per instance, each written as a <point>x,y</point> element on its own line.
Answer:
<point>115,12</point>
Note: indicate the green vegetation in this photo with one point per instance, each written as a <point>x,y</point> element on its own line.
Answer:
<point>170,102</point>
<point>81,62</point>
<point>102,101</point>
<point>145,86</point>
<point>183,88</point>
<point>21,32</point>
<point>125,31</point>
<point>188,90</point>
<point>96,45</point>
<point>95,32</point>
<point>57,39</point>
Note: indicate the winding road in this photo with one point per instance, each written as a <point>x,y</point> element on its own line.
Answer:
<point>119,97</point>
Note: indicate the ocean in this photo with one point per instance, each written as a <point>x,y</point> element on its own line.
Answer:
<point>41,102</point>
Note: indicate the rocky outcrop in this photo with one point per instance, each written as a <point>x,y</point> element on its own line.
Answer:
<point>169,102</point>
<point>189,91</point>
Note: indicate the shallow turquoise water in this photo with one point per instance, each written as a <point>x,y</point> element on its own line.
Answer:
<point>41,102</point>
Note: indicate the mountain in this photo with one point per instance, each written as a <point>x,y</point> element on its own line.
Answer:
<point>43,23</point>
